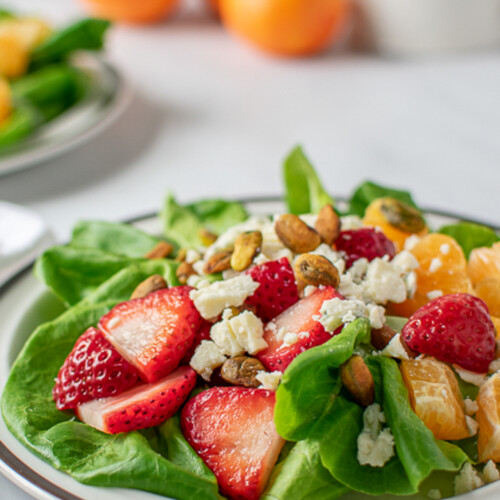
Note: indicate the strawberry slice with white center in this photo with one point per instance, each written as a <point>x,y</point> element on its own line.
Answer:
<point>277,290</point>
<point>143,406</point>
<point>295,330</point>
<point>155,332</point>
<point>93,369</point>
<point>232,430</point>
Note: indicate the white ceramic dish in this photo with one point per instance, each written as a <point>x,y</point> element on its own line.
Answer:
<point>423,27</point>
<point>24,304</point>
<point>108,96</point>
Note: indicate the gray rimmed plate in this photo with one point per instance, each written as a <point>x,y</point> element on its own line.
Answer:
<point>24,304</point>
<point>108,96</point>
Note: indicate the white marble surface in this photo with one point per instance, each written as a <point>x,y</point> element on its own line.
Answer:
<point>213,117</point>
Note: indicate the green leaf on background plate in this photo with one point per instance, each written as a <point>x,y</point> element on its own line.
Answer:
<point>369,191</point>
<point>304,192</point>
<point>470,235</point>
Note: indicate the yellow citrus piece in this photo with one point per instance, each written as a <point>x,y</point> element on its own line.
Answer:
<point>374,217</point>
<point>13,57</point>
<point>488,418</point>
<point>29,32</point>
<point>435,397</point>
<point>496,322</point>
<point>442,268</point>
<point>484,263</point>
<point>488,289</point>
<point>5,100</point>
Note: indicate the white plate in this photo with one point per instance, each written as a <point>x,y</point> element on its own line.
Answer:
<point>108,96</point>
<point>24,304</point>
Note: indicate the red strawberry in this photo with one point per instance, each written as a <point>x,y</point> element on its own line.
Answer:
<point>203,333</point>
<point>93,369</point>
<point>143,406</point>
<point>297,319</point>
<point>455,328</point>
<point>365,242</point>
<point>232,429</point>
<point>277,290</point>
<point>155,332</point>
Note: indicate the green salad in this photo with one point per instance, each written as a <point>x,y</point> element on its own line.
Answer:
<point>38,81</point>
<point>343,389</point>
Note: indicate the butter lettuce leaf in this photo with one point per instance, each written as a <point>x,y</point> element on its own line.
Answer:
<point>470,235</point>
<point>304,191</point>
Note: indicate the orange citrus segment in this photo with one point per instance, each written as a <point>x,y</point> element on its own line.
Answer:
<point>435,397</point>
<point>5,100</point>
<point>374,217</point>
<point>442,268</point>
<point>488,418</point>
<point>496,322</point>
<point>14,57</point>
<point>484,263</point>
<point>488,289</point>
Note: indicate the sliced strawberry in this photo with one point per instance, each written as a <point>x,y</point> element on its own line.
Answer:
<point>203,333</point>
<point>365,242</point>
<point>232,429</point>
<point>277,290</point>
<point>455,328</point>
<point>298,319</point>
<point>143,406</point>
<point>155,332</point>
<point>93,369</point>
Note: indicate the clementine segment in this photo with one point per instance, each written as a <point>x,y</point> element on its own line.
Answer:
<point>484,263</point>
<point>435,397</point>
<point>488,418</point>
<point>442,269</point>
<point>488,289</point>
<point>5,100</point>
<point>286,27</point>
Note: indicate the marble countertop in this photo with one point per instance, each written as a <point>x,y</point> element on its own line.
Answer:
<point>211,116</point>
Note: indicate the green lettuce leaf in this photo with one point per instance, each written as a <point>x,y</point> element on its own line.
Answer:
<point>470,235</point>
<point>312,380</point>
<point>302,476</point>
<point>123,460</point>
<point>304,191</point>
<point>369,191</point>
<point>182,223</point>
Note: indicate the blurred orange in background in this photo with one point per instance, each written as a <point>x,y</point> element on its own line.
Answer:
<point>132,11</point>
<point>286,27</point>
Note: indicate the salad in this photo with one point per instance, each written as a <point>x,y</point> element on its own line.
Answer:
<point>304,355</point>
<point>38,82</point>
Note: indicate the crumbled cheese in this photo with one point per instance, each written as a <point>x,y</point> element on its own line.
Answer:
<point>199,267</point>
<point>445,248</point>
<point>434,294</point>
<point>406,261</point>
<point>384,282</point>
<point>260,259</point>
<point>470,406</point>
<point>336,312</point>
<point>395,349</point>
<point>376,315</point>
<point>349,289</point>
<point>469,376</point>
<point>375,446</point>
<point>249,331</point>
<point>229,273</point>
<point>467,480</point>
<point>309,219</point>
<point>210,301</point>
<point>411,242</point>
<point>192,256</point>
<point>289,339</point>
<point>494,366</point>
<point>490,472</point>
<point>472,425</point>
<point>358,269</point>
<point>206,358</point>
<point>435,264</point>
<point>411,284</point>
<point>222,334</point>
<point>269,381</point>
<point>309,290</point>
<point>348,222</point>
<point>434,494</point>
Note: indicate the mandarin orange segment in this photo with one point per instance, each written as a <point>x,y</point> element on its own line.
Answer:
<point>374,216</point>
<point>488,289</point>
<point>442,268</point>
<point>488,418</point>
<point>435,397</point>
<point>496,322</point>
<point>484,263</point>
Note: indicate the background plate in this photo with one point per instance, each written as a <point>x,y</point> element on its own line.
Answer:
<point>24,304</point>
<point>107,98</point>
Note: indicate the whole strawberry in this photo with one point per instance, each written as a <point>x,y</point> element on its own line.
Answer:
<point>365,242</point>
<point>277,290</point>
<point>455,328</point>
<point>92,370</point>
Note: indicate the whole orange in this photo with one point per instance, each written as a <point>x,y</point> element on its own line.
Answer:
<point>286,27</point>
<point>132,11</point>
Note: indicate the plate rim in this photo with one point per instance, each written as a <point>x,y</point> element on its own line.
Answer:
<point>119,101</point>
<point>30,481</point>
